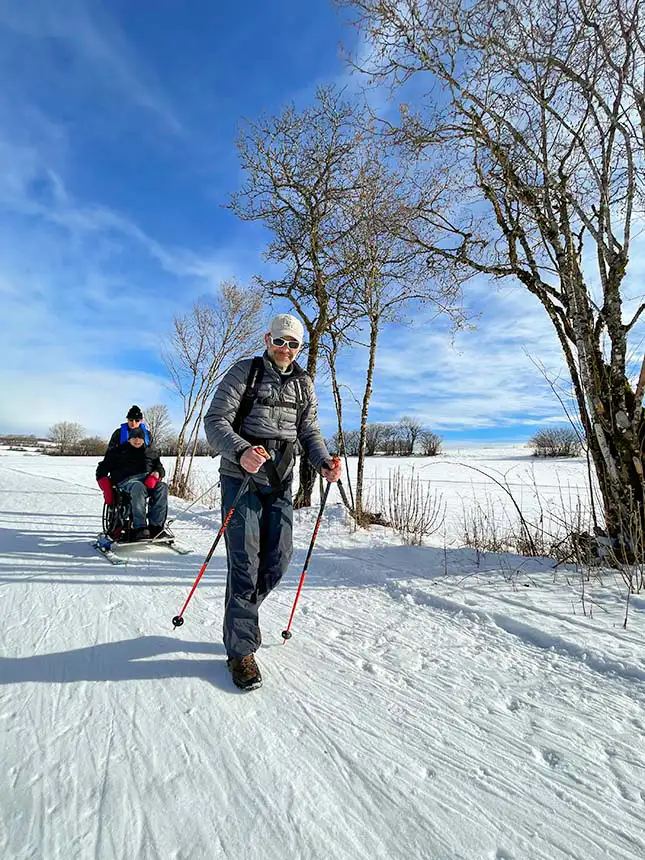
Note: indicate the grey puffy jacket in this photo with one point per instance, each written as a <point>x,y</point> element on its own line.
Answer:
<point>285,409</point>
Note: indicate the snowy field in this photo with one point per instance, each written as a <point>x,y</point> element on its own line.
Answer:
<point>432,704</point>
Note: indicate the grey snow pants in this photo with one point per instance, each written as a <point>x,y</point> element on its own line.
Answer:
<point>259,544</point>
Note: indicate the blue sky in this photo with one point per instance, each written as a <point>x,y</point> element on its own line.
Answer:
<point>117,153</point>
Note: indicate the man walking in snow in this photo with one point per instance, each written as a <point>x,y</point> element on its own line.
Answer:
<point>263,403</point>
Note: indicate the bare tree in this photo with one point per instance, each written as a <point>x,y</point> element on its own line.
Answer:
<point>534,136</point>
<point>374,436</point>
<point>411,429</point>
<point>169,448</point>
<point>331,346</point>
<point>556,442</point>
<point>384,272</point>
<point>92,446</point>
<point>388,438</point>
<point>202,449</point>
<point>204,344</point>
<point>398,441</point>
<point>430,443</point>
<point>65,435</point>
<point>158,423</point>
<point>298,173</point>
<point>347,441</point>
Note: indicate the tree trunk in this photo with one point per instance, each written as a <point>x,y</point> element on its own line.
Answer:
<point>175,484</point>
<point>307,471</point>
<point>374,327</point>
<point>194,438</point>
<point>614,425</point>
<point>617,454</point>
<point>342,451</point>
<point>178,483</point>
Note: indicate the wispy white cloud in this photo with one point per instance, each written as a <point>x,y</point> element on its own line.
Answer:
<point>87,295</point>
<point>82,48</point>
<point>97,399</point>
<point>481,378</point>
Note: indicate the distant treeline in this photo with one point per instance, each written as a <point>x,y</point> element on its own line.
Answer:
<point>405,438</point>
<point>68,439</point>
<point>22,440</point>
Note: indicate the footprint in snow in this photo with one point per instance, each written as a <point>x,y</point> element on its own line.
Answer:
<point>370,668</point>
<point>551,757</point>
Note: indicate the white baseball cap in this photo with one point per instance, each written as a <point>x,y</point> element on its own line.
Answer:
<point>287,326</point>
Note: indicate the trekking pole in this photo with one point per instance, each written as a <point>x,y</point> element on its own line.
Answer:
<point>286,634</point>
<point>178,620</point>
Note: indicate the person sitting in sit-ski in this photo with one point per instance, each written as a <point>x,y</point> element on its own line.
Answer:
<point>137,469</point>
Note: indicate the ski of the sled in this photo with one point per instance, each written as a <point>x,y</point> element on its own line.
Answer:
<point>169,543</point>
<point>109,554</point>
<point>107,551</point>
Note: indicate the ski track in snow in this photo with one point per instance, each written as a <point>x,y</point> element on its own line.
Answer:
<point>412,715</point>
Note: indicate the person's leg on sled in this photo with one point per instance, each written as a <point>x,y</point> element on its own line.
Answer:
<point>138,492</point>
<point>157,504</point>
<point>140,488</point>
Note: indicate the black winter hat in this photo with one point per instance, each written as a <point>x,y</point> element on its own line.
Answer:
<point>135,414</point>
<point>136,433</point>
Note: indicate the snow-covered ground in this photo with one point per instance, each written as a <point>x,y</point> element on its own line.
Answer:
<point>431,704</point>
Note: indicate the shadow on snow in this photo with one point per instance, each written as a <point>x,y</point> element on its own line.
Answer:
<point>127,660</point>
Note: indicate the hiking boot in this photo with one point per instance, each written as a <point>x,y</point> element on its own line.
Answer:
<point>155,531</point>
<point>245,672</point>
<point>141,534</point>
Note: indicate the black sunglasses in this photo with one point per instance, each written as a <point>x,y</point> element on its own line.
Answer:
<point>280,341</point>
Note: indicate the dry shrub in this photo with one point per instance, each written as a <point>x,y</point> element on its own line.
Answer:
<point>411,506</point>
<point>488,528</point>
<point>183,487</point>
<point>556,442</point>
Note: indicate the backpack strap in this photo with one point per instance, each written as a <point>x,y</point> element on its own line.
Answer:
<point>276,474</point>
<point>301,398</point>
<point>249,397</point>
